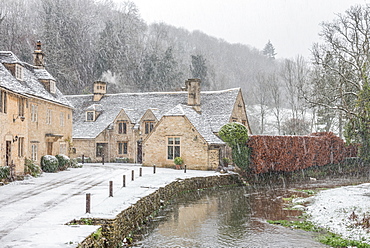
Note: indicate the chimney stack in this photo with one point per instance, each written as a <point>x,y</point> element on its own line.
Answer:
<point>193,87</point>
<point>100,89</point>
<point>38,56</point>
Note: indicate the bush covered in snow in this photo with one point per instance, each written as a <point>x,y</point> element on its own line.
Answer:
<point>74,163</point>
<point>63,161</point>
<point>49,163</point>
<point>122,160</point>
<point>86,160</point>
<point>31,168</point>
<point>4,172</point>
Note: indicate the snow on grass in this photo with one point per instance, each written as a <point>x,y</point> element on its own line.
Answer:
<point>335,209</point>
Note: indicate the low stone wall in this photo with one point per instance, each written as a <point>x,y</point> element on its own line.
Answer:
<point>113,231</point>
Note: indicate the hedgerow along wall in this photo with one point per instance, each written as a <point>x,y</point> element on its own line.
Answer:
<point>291,153</point>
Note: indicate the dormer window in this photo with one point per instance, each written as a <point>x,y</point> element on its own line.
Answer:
<point>18,73</point>
<point>52,86</point>
<point>90,116</point>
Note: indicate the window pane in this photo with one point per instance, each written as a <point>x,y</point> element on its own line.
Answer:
<point>170,141</point>
<point>177,141</point>
<point>177,151</point>
<point>170,152</point>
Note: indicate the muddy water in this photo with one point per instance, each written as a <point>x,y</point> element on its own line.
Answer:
<point>232,217</point>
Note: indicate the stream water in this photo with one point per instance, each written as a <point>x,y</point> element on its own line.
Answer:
<point>232,217</point>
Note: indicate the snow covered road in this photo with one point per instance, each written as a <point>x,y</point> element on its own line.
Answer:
<point>33,212</point>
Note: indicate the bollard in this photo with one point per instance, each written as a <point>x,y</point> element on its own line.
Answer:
<point>102,159</point>
<point>132,175</point>
<point>83,159</point>
<point>110,188</point>
<point>140,172</point>
<point>124,181</point>
<point>185,168</point>
<point>88,198</point>
<point>154,169</point>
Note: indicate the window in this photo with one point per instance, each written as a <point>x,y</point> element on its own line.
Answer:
<point>21,106</point>
<point>18,72</point>
<point>34,112</point>
<point>20,146</point>
<point>244,122</point>
<point>122,127</point>
<point>149,126</point>
<point>122,148</point>
<point>62,148</point>
<point>90,116</point>
<point>173,147</point>
<point>100,148</point>
<point>52,86</point>
<point>3,102</point>
<point>62,121</point>
<point>34,152</point>
<point>48,116</point>
<point>234,119</point>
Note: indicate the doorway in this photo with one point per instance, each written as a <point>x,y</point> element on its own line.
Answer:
<point>8,153</point>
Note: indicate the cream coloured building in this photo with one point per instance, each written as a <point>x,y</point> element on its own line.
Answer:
<point>35,117</point>
<point>155,127</point>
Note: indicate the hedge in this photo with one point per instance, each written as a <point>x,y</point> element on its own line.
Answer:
<point>291,153</point>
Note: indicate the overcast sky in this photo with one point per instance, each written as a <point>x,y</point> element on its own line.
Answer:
<point>292,26</point>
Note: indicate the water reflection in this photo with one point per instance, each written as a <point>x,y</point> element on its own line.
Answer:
<point>231,217</point>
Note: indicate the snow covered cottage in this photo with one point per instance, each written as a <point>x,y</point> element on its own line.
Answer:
<point>35,117</point>
<point>155,127</point>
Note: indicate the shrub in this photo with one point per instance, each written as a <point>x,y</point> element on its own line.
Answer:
<point>86,160</point>
<point>31,168</point>
<point>4,172</point>
<point>49,163</point>
<point>74,163</point>
<point>63,161</point>
<point>122,160</point>
<point>178,161</point>
<point>236,136</point>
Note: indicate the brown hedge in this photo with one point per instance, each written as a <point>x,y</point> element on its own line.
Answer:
<point>290,153</point>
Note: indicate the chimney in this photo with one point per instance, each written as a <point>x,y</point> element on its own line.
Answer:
<point>100,89</point>
<point>193,87</point>
<point>38,56</point>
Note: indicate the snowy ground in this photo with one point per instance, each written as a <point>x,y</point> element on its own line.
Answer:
<point>333,209</point>
<point>33,212</point>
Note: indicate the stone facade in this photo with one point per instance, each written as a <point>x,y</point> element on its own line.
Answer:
<point>35,118</point>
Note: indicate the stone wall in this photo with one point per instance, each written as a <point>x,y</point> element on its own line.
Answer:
<point>113,231</point>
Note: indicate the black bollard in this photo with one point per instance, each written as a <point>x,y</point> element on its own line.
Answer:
<point>132,175</point>
<point>88,202</point>
<point>140,172</point>
<point>110,188</point>
<point>102,159</point>
<point>124,181</point>
<point>83,159</point>
<point>154,169</point>
<point>185,168</point>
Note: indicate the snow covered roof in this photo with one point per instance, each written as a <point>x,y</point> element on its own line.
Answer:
<point>30,85</point>
<point>216,109</point>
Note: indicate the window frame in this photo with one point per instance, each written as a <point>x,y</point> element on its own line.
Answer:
<point>34,112</point>
<point>34,149</point>
<point>148,126</point>
<point>173,148</point>
<point>122,148</point>
<point>122,127</point>
<point>90,114</point>
<point>49,113</point>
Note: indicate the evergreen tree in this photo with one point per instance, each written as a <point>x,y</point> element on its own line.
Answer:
<point>269,50</point>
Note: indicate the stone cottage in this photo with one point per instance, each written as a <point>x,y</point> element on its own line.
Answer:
<point>35,117</point>
<point>155,127</point>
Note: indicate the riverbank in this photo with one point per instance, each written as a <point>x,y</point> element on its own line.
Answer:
<point>33,212</point>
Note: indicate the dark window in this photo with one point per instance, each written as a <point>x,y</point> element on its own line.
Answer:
<point>3,99</point>
<point>90,116</point>
<point>122,148</point>
<point>122,127</point>
<point>149,126</point>
<point>173,147</point>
